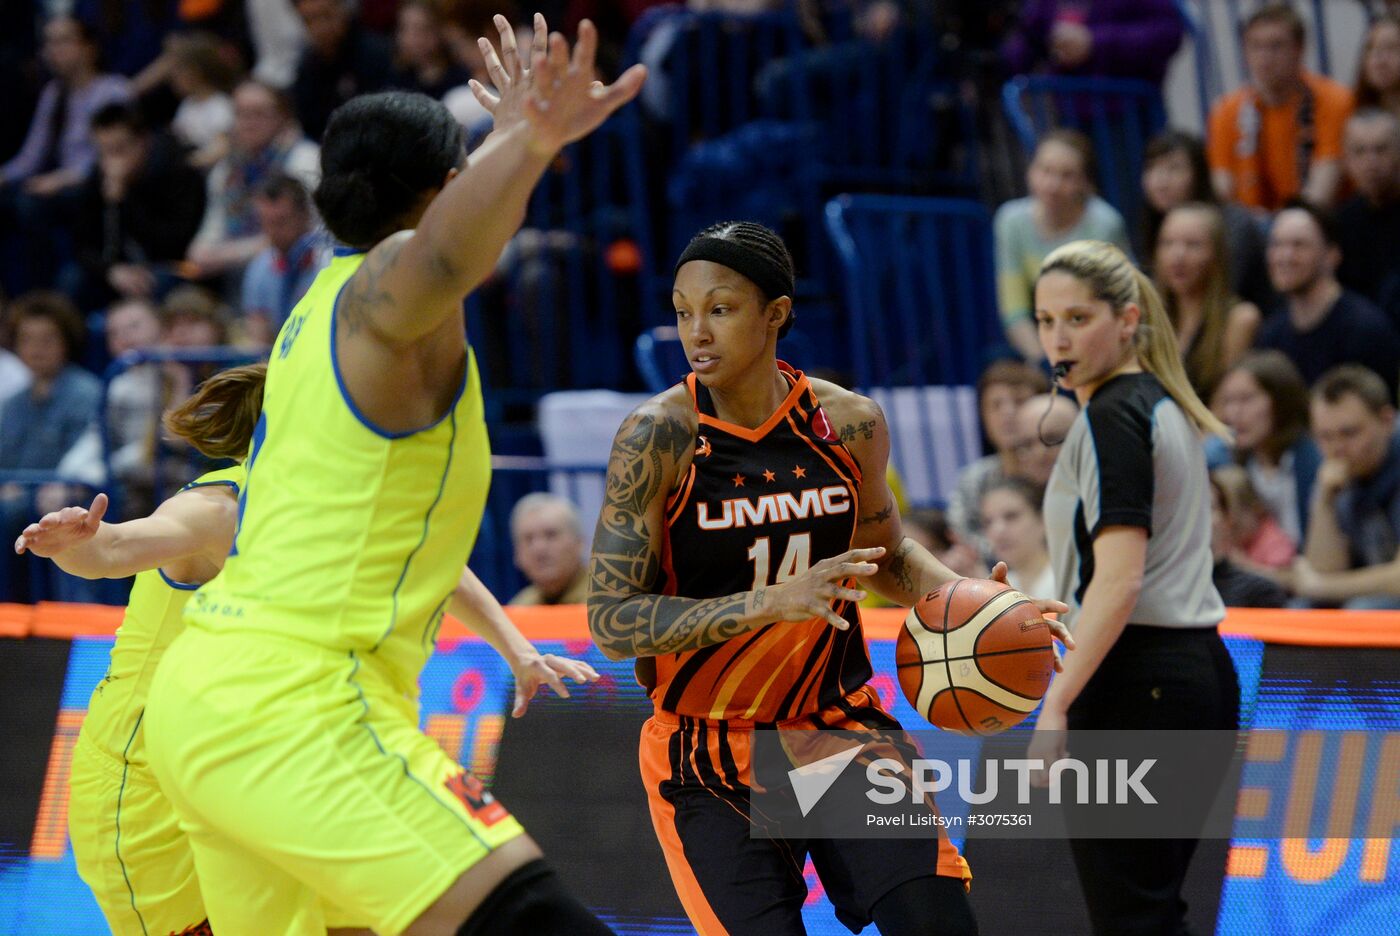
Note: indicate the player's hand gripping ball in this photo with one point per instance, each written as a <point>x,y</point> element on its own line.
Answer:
<point>975,657</point>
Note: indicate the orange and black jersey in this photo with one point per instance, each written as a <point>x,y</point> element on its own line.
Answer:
<point>757,507</point>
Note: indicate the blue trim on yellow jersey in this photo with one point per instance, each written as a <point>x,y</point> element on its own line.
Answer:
<point>355,410</point>
<point>199,484</point>
<point>427,521</point>
<point>345,250</point>
<point>259,435</point>
<point>179,586</point>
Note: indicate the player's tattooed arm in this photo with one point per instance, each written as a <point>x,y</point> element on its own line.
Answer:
<point>651,452</point>
<point>626,619</point>
<point>907,570</point>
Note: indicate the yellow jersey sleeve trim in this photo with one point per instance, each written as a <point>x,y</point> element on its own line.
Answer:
<point>350,402</point>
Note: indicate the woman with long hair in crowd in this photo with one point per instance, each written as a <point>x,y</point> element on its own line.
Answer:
<point>127,842</point>
<point>1174,173</point>
<point>1378,72</point>
<point>1127,512</point>
<point>1264,401</point>
<point>1214,327</point>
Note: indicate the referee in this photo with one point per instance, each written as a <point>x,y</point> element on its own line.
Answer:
<point>1127,516</point>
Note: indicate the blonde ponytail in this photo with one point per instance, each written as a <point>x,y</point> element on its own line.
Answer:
<point>1113,278</point>
<point>1159,353</point>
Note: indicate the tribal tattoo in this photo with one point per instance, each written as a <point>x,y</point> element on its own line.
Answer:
<point>625,618</point>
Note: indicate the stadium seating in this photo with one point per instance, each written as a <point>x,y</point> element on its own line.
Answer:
<point>918,288</point>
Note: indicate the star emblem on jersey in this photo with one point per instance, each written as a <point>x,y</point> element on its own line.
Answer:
<point>799,472</point>
<point>738,480</point>
<point>769,476</point>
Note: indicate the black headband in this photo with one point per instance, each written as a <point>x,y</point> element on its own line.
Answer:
<point>772,279</point>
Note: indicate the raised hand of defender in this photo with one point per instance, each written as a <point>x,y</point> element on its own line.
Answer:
<point>510,72</point>
<point>565,102</point>
<point>1045,606</point>
<point>62,529</point>
<point>535,670</point>
<point>810,594</point>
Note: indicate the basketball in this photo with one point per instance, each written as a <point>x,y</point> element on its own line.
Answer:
<point>974,657</point>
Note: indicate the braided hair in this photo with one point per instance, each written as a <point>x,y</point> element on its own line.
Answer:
<point>762,257</point>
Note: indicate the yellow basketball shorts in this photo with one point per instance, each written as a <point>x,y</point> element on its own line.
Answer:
<point>302,781</point>
<point>129,847</point>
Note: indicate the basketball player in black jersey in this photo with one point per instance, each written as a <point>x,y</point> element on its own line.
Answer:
<point>742,506</point>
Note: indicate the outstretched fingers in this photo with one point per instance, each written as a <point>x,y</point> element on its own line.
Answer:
<point>558,55</point>
<point>622,90</point>
<point>500,76</point>
<point>510,53</point>
<point>585,49</point>
<point>539,41</point>
<point>485,98</point>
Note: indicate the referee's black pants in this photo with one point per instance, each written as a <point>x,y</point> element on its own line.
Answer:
<point>1152,678</point>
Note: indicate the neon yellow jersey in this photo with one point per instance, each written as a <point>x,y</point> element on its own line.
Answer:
<point>350,537</point>
<point>154,616</point>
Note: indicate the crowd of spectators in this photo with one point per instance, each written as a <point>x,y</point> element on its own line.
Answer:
<point>157,194</point>
<point>1271,242</point>
<point>156,170</point>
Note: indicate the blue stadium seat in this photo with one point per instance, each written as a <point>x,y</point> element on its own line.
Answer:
<point>920,298</point>
<point>1119,115</point>
<point>660,357</point>
<point>1203,54</point>
<point>919,287</point>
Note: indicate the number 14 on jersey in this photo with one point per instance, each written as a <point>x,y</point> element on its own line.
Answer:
<point>796,560</point>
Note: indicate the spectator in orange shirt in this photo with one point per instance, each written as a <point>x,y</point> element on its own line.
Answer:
<point>1279,136</point>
